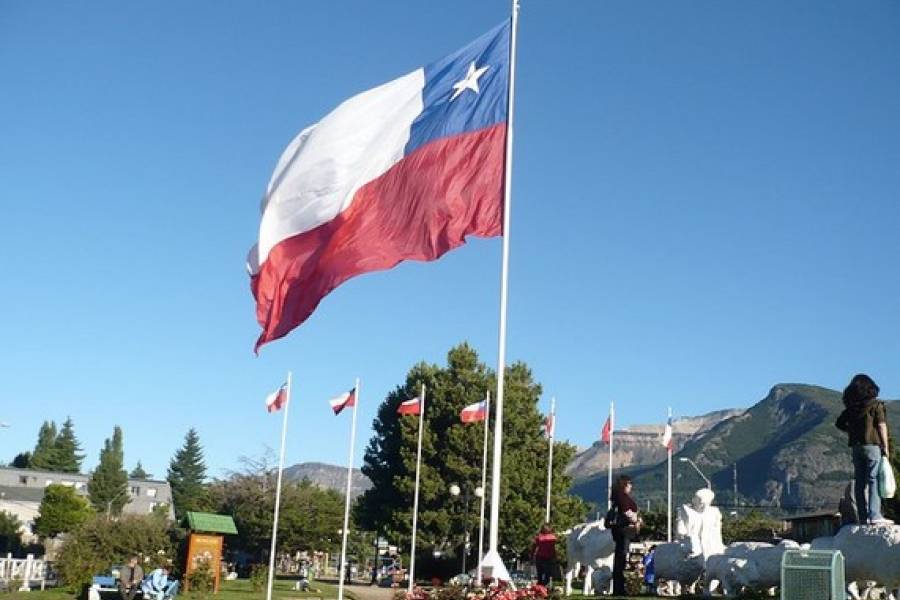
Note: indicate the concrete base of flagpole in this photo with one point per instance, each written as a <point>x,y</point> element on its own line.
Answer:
<point>492,567</point>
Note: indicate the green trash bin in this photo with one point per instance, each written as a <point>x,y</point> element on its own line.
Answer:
<point>812,575</point>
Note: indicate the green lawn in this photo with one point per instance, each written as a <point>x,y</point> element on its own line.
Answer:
<point>230,590</point>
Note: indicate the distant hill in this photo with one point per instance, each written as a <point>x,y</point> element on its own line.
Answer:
<point>329,477</point>
<point>787,451</point>
<point>641,444</point>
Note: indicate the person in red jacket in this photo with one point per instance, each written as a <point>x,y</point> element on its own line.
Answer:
<point>544,554</point>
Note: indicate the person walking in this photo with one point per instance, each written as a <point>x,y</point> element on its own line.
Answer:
<point>543,553</point>
<point>625,523</point>
<point>865,422</point>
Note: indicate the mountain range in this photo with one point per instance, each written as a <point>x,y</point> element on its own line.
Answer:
<point>782,452</point>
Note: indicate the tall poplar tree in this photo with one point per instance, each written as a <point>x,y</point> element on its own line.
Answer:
<point>44,455</point>
<point>187,475</point>
<point>68,455</point>
<point>108,485</point>
<point>452,454</point>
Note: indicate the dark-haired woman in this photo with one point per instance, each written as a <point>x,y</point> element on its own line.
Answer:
<point>544,554</point>
<point>624,523</point>
<point>864,421</point>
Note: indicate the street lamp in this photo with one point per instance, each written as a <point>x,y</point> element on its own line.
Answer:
<point>456,491</point>
<point>696,468</point>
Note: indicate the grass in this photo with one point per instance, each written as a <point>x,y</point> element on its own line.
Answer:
<point>229,590</point>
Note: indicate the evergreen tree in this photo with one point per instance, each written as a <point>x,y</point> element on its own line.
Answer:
<point>44,455</point>
<point>108,486</point>
<point>22,460</point>
<point>68,457</point>
<point>186,476</point>
<point>61,511</point>
<point>452,453</point>
<point>138,472</point>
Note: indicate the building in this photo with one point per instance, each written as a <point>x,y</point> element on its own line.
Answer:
<point>805,528</point>
<point>21,492</point>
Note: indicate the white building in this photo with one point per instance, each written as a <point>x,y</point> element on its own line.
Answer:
<point>21,492</point>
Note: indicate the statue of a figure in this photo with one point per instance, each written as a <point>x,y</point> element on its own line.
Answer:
<point>700,524</point>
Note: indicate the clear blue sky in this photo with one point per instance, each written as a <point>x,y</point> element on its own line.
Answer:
<point>706,203</point>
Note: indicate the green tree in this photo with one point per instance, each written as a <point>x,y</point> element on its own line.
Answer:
<point>138,472</point>
<point>187,475</point>
<point>44,455</point>
<point>22,460</point>
<point>61,511</point>
<point>452,453</point>
<point>100,542</point>
<point>309,516</point>
<point>751,527</point>
<point>68,451</point>
<point>10,533</point>
<point>108,485</point>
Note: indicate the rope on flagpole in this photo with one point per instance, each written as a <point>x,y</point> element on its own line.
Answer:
<point>551,434</point>
<point>494,536</point>
<point>612,426</point>
<point>271,574</point>
<point>669,481</point>
<point>487,420</point>
<point>412,551</point>
<point>345,530</point>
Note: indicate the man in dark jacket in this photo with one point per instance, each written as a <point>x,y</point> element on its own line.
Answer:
<point>865,422</point>
<point>130,577</point>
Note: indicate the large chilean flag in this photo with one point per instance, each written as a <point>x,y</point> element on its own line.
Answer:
<point>404,171</point>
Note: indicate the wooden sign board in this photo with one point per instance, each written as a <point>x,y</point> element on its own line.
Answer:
<point>205,547</point>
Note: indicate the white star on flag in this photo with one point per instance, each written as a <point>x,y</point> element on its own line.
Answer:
<point>470,82</point>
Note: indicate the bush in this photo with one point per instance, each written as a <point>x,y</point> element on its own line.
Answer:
<point>259,577</point>
<point>99,543</point>
<point>201,580</point>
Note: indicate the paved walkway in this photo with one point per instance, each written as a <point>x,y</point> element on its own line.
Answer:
<point>364,591</point>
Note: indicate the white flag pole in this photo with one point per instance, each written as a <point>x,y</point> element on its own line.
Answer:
<point>612,427</point>
<point>492,560</point>
<point>284,420</point>
<point>415,518</point>
<point>669,483</point>
<point>552,434</point>
<point>487,419</point>
<point>346,528</point>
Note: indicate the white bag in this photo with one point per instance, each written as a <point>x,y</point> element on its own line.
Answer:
<point>887,485</point>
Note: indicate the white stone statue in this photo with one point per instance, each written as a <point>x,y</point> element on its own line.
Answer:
<point>754,565</point>
<point>871,553</point>
<point>590,545</point>
<point>700,523</point>
<point>698,531</point>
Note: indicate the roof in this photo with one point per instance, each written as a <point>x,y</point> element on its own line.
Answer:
<point>21,494</point>
<point>210,523</point>
<point>826,514</point>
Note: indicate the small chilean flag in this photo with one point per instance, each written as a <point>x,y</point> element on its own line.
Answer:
<point>276,400</point>
<point>343,401</point>
<point>607,431</point>
<point>549,424</point>
<point>474,412</point>
<point>667,435</point>
<point>410,407</point>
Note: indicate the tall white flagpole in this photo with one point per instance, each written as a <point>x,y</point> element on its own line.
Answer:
<point>345,530</point>
<point>492,560</point>
<point>550,437</point>
<point>287,406</point>
<point>487,420</point>
<point>669,484</point>
<point>415,519</point>
<point>612,427</point>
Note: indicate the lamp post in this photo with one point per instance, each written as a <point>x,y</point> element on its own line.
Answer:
<point>455,491</point>
<point>696,468</point>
